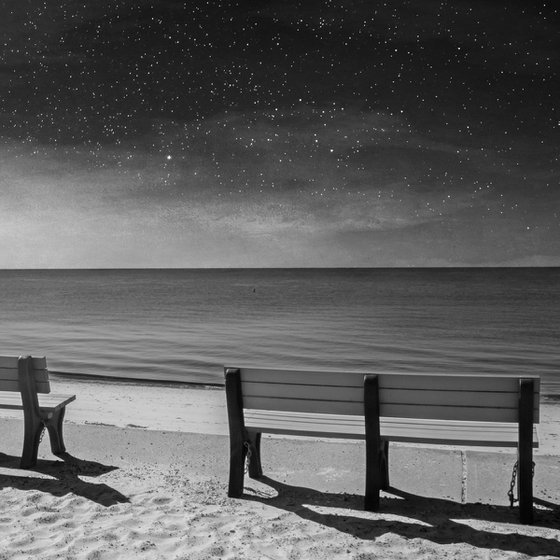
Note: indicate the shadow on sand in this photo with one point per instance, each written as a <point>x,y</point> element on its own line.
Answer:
<point>411,516</point>
<point>65,478</point>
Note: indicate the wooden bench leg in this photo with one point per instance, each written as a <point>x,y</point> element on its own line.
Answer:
<point>385,466</point>
<point>238,452</point>
<point>33,427</point>
<point>238,436</point>
<point>376,475</point>
<point>525,451</point>
<point>525,491</point>
<point>54,426</point>
<point>375,446</point>
<point>255,465</point>
<point>32,421</point>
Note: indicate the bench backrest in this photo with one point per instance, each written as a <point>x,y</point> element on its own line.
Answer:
<point>9,374</point>
<point>468,397</point>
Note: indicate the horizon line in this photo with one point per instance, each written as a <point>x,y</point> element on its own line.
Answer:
<point>227,268</point>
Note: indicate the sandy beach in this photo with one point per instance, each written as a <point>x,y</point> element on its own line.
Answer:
<point>146,477</point>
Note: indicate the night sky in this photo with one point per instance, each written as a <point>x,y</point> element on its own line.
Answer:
<point>261,133</point>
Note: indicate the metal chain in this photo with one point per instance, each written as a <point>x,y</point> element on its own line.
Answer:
<point>42,434</point>
<point>248,456</point>
<point>512,498</point>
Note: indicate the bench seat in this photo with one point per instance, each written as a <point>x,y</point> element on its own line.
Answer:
<point>49,403</point>
<point>409,430</point>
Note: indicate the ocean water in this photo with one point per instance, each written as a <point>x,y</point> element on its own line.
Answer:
<point>185,325</point>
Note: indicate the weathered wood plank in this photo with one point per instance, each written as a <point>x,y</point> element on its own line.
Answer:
<point>450,381</point>
<point>343,393</point>
<point>387,409</point>
<point>393,429</point>
<point>293,405</point>
<point>12,400</point>
<point>55,401</point>
<point>12,362</point>
<point>9,375</point>
<point>394,396</point>
<point>13,385</point>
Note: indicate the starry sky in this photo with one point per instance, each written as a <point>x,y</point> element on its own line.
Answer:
<point>283,133</point>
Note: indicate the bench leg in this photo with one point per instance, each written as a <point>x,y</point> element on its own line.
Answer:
<point>385,465</point>
<point>525,491</point>
<point>376,475</point>
<point>375,446</point>
<point>31,438</point>
<point>255,465</point>
<point>525,451</point>
<point>237,433</point>
<point>54,426</point>
<point>238,452</point>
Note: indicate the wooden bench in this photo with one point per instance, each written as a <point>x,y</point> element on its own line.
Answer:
<point>25,385</point>
<point>458,410</point>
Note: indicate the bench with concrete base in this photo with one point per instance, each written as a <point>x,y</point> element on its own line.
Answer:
<point>458,410</point>
<point>25,385</point>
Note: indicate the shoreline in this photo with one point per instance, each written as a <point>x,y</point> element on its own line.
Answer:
<point>546,397</point>
<point>123,380</point>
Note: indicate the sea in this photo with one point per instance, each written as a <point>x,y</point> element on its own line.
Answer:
<point>185,325</point>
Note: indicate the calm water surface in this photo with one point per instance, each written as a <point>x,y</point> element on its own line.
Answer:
<point>184,325</point>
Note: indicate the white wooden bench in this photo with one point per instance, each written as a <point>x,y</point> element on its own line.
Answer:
<point>25,385</point>
<point>458,410</point>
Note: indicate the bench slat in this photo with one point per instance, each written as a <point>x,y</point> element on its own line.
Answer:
<point>387,409</point>
<point>12,362</point>
<point>394,396</point>
<point>13,385</point>
<point>393,429</point>
<point>50,402</point>
<point>437,396</point>
<point>54,401</point>
<point>295,405</point>
<point>397,380</point>
<point>9,374</point>
<point>10,400</point>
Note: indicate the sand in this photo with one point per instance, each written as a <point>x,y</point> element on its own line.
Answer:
<point>146,477</point>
